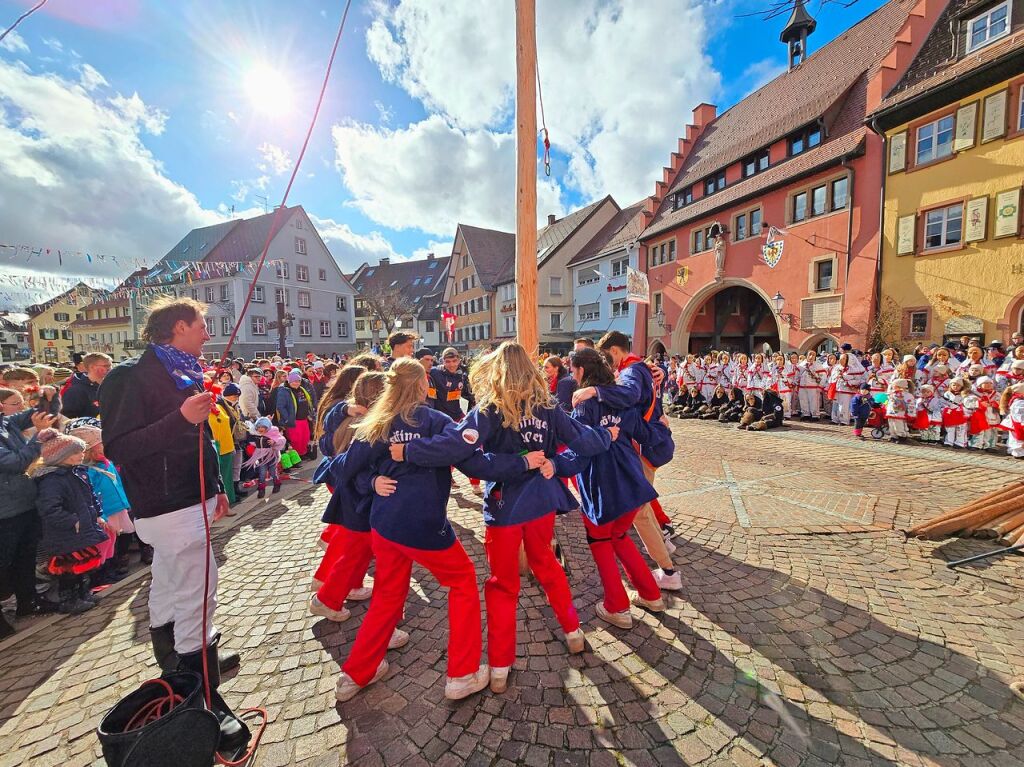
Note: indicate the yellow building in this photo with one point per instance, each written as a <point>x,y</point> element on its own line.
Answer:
<point>104,326</point>
<point>50,332</point>
<point>952,251</point>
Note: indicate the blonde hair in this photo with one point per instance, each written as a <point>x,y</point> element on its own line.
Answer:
<point>365,391</point>
<point>403,393</point>
<point>508,381</point>
<point>339,391</point>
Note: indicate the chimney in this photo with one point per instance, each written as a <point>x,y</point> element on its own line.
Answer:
<point>551,219</point>
<point>430,256</point>
<point>384,262</point>
<point>703,114</point>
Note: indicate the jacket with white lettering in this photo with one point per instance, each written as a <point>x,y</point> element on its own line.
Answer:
<point>450,388</point>
<point>415,515</point>
<point>636,389</point>
<point>529,496</point>
<point>611,483</point>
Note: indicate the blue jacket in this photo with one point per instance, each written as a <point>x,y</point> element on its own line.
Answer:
<point>65,499</point>
<point>416,514</point>
<point>860,406</point>
<point>612,483</point>
<point>449,389</point>
<point>564,387</point>
<point>285,403</point>
<point>332,421</point>
<point>106,483</point>
<point>17,453</point>
<point>528,496</point>
<point>351,501</point>
<point>636,390</point>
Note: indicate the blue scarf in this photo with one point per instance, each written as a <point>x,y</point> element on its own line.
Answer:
<point>183,367</point>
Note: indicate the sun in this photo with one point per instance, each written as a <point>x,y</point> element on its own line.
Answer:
<point>268,90</point>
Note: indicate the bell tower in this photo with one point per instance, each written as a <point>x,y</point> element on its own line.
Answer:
<point>800,25</point>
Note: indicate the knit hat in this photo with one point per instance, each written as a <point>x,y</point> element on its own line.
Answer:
<point>1017,365</point>
<point>424,352</point>
<point>231,390</point>
<point>901,383</point>
<point>940,369</point>
<point>927,388</point>
<point>976,370</point>
<point>263,423</point>
<point>294,376</point>
<point>909,358</point>
<point>983,380</point>
<point>57,447</point>
<point>86,429</point>
<point>60,375</point>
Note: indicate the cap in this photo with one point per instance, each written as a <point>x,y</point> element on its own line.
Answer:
<point>450,352</point>
<point>232,390</point>
<point>424,352</point>
<point>909,358</point>
<point>995,345</point>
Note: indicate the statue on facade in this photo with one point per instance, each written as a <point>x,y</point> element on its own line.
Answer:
<point>719,247</point>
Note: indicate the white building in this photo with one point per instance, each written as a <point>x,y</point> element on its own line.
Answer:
<point>598,276</point>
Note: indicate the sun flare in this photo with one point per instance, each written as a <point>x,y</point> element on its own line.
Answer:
<point>268,90</point>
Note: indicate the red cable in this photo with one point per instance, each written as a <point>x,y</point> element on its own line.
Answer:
<point>277,214</point>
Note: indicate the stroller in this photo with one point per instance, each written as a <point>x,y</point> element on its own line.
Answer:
<point>877,421</point>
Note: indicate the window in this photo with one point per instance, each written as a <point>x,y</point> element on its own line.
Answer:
<point>590,312</point>
<point>656,303</point>
<point>918,323</point>
<point>684,197</point>
<point>428,326</point>
<point>739,231</point>
<point>714,183</point>
<point>587,275</point>
<point>282,270</point>
<point>508,292</point>
<point>818,200</point>
<point>258,295</point>
<point>989,26</point>
<point>48,334</point>
<point>620,308</point>
<point>698,241</point>
<point>510,324</point>
<point>298,223</point>
<point>555,285</point>
<point>302,273</point>
<point>458,335</point>
<point>472,333</point>
<point>934,140</point>
<point>465,284</point>
<point>428,280</point>
<point>258,325</point>
<point>755,222</point>
<point>800,206</point>
<point>369,273</point>
<point>1020,109</point>
<point>225,292</point>
<point>342,303</point>
<point>840,193</point>
<point>556,320</point>
<point>61,317</point>
<point>432,265</point>
<point>342,329</point>
<point>305,301</point>
<point>942,226</point>
<point>360,306</point>
<point>322,274</point>
<point>360,326</point>
<point>325,328</point>
<point>823,275</point>
<point>755,163</point>
<point>225,326</point>
<point>806,139</point>
<point>672,250</point>
<point>300,246</point>
<point>195,294</point>
<point>619,267</point>
<point>465,260</point>
<point>281,296</point>
<point>306,328</point>
<point>210,293</point>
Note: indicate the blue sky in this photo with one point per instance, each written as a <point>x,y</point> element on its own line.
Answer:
<point>127,122</point>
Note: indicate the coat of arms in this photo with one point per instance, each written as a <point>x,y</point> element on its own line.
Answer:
<point>771,251</point>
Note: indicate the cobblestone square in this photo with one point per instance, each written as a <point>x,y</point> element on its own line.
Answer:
<point>808,632</point>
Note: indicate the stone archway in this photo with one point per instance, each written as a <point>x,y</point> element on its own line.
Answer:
<point>693,330</point>
<point>817,341</point>
<point>656,347</point>
<point>1013,321</point>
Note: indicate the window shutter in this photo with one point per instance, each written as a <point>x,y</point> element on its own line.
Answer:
<point>906,230</point>
<point>898,152</point>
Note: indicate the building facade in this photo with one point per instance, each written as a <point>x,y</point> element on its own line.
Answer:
<point>105,326</point>
<point>480,258</point>
<point>953,236</point>
<point>763,230</point>
<point>14,338</point>
<point>49,324</point>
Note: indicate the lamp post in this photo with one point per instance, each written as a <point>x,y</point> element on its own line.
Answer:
<point>780,301</point>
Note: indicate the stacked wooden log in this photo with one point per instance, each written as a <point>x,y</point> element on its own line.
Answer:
<point>996,515</point>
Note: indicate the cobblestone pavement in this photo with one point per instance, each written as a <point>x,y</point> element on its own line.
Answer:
<point>808,632</point>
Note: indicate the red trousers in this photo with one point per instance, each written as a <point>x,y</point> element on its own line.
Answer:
<point>343,566</point>
<point>659,513</point>
<point>453,569</point>
<point>501,590</point>
<point>328,532</point>
<point>610,542</point>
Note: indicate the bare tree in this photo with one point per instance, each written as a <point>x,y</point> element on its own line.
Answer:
<point>771,9</point>
<point>386,305</point>
<point>887,327</point>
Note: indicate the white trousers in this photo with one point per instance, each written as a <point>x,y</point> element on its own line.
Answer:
<point>841,408</point>
<point>810,402</point>
<point>956,436</point>
<point>176,590</point>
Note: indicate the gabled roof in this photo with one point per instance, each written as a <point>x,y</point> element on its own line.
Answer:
<point>935,67</point>
<point>245,240</point>
<point>421,280</point>
<point>493,252</point>
<point>624,227</point>
<point>551,237</point>
<point>37,309</point>
<point>198,243</point>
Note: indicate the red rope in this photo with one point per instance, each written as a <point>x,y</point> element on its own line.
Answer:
<point>274,227</point>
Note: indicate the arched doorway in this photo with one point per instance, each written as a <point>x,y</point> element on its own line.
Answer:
<point>823,344</point>
<point>732,318</point>
<point>656,348</point>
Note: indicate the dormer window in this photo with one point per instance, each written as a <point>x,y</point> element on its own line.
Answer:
<point>808,138</point>
<point>988,26</point>
<point>755,163</point>
<point>683,198</point>
<point>714,183</point>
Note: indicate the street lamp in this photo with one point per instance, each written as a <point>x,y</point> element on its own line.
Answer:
<point>780,301</point>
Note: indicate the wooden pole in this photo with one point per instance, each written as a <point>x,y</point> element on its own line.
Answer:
<point>526,175</point>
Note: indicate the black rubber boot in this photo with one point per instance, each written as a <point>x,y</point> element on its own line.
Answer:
<point>262,491</point>
<point>162,638</point>
<point>6,629</point>
<point>70,601</point>
<point>234,735</point>
<point>85,590</point>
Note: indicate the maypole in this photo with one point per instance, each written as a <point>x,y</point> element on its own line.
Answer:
<point>526,175</point>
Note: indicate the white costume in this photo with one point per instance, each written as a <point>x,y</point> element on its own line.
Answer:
<point>899,411</point>
<point>810,385</point>
<point>1014,423</point>
<point>847,381</point>
<point>956,435</point>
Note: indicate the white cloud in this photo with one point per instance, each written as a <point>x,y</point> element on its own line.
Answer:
<point>273,159</point>
<point>91,79</point>
<point>385,114</point>
<point>75,174</point>
<point>53,44</point>
<point>14,43</point>
<point>759,73</point>
<point>432,175</point>
<point>351,249</point>
<point>612,106</point>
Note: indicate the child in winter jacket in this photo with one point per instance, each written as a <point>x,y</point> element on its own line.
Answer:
<point>74,537</point>
<point>899,409</point>
<point>264,450</point>
<point>860,409</point>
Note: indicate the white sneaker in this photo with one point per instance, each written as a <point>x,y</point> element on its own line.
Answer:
<point>499,678</point>
<point>398,639</point>
<point>668,582</point>
<point>359,595</point>
<point>654,605</point>
<point>457,688</point>
<point>574,639</point>
<point>346,688</point>
<point>316,607</point>
<point>623,620</point>
<point>315,585</point>
<point>669,546</point>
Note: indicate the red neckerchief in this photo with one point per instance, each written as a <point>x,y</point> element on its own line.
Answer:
<point>628,360</point>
